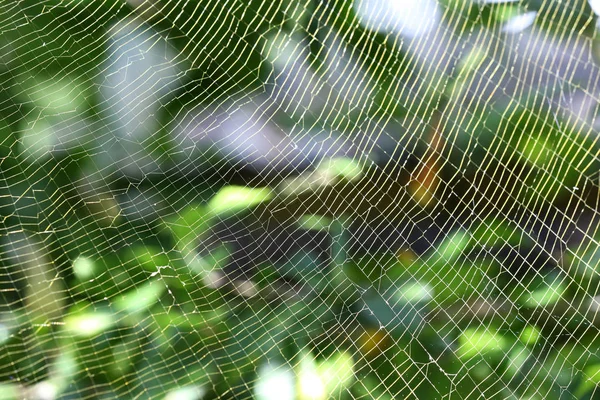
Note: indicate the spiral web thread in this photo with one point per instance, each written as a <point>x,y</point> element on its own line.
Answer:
<point>303,199</point>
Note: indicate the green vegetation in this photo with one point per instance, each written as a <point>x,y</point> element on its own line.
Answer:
<point>298,200</point>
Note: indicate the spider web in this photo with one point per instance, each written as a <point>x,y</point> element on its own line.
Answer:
<point>306,199</point>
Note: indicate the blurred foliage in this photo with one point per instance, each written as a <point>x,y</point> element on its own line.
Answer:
<point>121,274</point>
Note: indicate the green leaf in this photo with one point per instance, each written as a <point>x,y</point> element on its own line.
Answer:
<point>341,169</point>
<point>482,341</point>
<point>590,379</point>
<point>450,249</point>
<point>5,332</point>
<point>84,268</point>
<point>89,324</point>
<point>314,222</point>
<point>507,12</point>
<point>472,61</point>
<point>124,355</point>
<point>192,321</point>
<point>517,361</point>
<point>547,293</point>
<point>38,140</point>
<point>108,281</point>
<point>156,264</point>
<point>324,379</point>
<point>530,335</point>
<point>466,69</point>
<point>454,280</point>
<point>56,95</point>
<point>151,259</point>
<point>498,232</point>
<point>337,373</point>
<point>466,280</point>
<point>231,199</point>
<point>10,391</point>
<point>415,292</point>
<point>192,392</point>
<point>536,150</point>
<point>371,388</point>
<point>584,262</point>
<point>140,299</point>
<point>188,225</point>
<point>328,173</point>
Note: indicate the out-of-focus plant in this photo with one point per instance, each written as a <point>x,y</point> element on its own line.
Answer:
<point>115,282</point>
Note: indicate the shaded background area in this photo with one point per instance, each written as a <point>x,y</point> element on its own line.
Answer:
<point>299,199</point>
